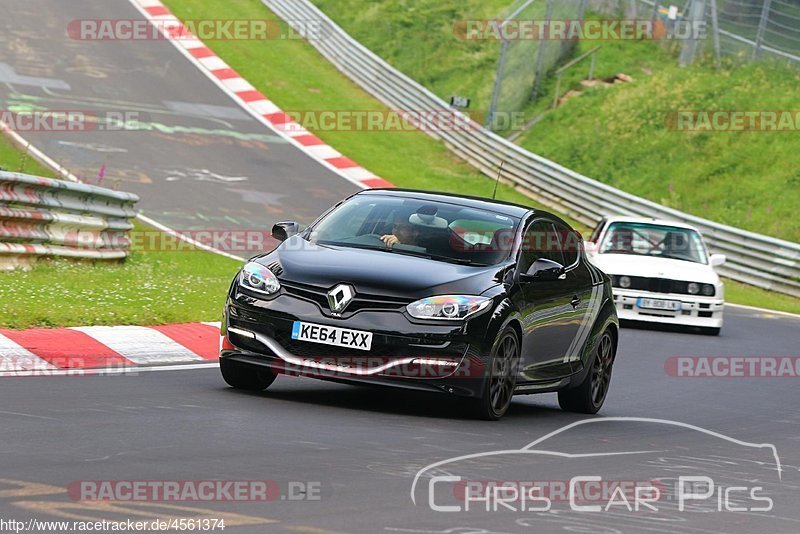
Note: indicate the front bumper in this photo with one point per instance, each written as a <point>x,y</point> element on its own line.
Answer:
<point>428,356</point>
<point>698,311</point>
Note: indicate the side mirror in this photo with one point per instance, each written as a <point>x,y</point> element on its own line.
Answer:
<point>718,259</point>
<point>544,270</point>
<point>284,230</point>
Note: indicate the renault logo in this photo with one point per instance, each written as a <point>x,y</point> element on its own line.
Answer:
<point>340,297</point>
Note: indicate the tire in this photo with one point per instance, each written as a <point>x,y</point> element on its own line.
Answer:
<point>588,397</point>
<point>246,377</point>
<point>503,369</point>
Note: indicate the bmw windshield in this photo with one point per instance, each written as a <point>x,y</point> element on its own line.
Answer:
<point>435,230</point>
<point>643,239</point>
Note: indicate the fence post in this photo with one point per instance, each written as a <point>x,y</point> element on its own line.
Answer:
<point>498,84</point>
<point>537,82</point>
<point>582,10</point>
<point>715,29</point>
<point>762,28</point>
<point>697,13</point>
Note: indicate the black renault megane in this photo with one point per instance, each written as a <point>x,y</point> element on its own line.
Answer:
<point>470,297</point>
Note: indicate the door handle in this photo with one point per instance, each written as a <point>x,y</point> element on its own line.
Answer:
<point>576,300</point>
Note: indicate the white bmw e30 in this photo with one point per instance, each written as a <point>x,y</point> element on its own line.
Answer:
<point>661,272</point>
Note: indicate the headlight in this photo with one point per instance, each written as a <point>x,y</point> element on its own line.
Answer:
<point>624,282</point>
<point>258,278</point>
<point>693,288</point>
<point>448,307</point>
<point>709,290</point>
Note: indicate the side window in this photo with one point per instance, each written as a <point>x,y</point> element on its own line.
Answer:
<point>540,241</point>
<point>571,243</point>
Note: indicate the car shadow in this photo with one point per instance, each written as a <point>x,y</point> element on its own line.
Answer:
<point>394,401</point>
<point>660,327</point>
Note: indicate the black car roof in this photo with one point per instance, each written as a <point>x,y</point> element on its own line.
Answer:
<point>497,206</point>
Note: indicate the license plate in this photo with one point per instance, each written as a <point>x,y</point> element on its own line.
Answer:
<point>658,304</point>
<point>331,335</point>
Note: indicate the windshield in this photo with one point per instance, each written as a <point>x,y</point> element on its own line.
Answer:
<point>435,230</point>
<point>654,240</point>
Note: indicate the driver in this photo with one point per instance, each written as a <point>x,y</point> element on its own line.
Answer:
<point>403,232</point>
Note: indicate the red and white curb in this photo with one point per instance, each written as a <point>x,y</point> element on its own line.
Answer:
<point>28,352</point>
<point>252,100</point>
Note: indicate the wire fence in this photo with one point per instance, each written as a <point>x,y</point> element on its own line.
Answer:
<point>743,29</point>
<point>525,62</point>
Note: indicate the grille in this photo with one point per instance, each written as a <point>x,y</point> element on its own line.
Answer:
<point>276,268</point>
<point>658,285</point>
<point>360,302</point>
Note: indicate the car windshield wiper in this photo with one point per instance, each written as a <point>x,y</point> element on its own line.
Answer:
<point>427,256</point>
<point>424,255</point>
<point>460,261</point>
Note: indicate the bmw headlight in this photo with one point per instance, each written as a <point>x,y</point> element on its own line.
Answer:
<point>693,288</point>
<point>258,278</point>
<point>709,290</point>
<point>448,307</point>
<point>625,282</point>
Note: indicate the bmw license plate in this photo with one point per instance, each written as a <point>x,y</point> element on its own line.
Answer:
<point>330,335</point>
<point>658,304</point>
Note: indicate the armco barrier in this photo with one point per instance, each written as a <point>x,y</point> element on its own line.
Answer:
<point>752,258</point>
<point>46,217</point>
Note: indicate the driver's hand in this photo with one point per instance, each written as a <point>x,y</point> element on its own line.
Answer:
<point>390,240</point>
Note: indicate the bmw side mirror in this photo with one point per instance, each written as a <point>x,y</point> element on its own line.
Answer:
<point>284,230</point>
<point>718,259</point>
<point>544,270</point>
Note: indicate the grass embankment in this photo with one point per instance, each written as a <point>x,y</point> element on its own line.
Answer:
<point>149,288</point>
<point>14,159</point>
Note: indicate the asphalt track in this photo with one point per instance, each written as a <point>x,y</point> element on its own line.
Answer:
<point>361,447</point>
